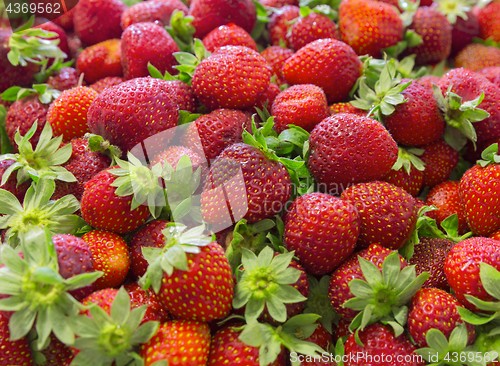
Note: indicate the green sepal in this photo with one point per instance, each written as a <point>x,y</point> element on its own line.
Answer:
<point>318,302</point>
<point>408,158</point>
<point>453,9</point>
<point>98,143</point>
<point>489,156</point>
<point>46,94</point>
<point>182,31</point>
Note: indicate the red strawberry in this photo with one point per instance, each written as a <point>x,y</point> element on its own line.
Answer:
<point>180,343</point>
<point>489,21</point>
<point>492,74</point>
<point>279,25</point>
<point>300,105</point>
<point>428,80</point>
<point>381,348</point>
<point>322,338</point>
<point>56,352</point>
<point>140,297</point>
<point>129,122</point>
<point>108,81</point>
<point>410,182</point>
<point>440,160</point>
<point>100,60</point>
<point>13,352</point>
<point>68,113</point>
<point>463,31</point>
<point>110,255</point>
<point>310,28</point>
<point>337,108</point>
<point>103,298</point>
<point>462,268</point>
<point>156,11</point>
<point>369,26</point>
<point>98,20</point>
<point>322,230</point>
<point>173,154</point>
<point>267,98</point>
<point>387,213</point>
<point>144,43</point>
<point>432,308</point>
<point>228,35</point>
<point>232,77</point>
<point>476,57</point>
<point>327,63</point>
<point>184,95</point>
<point>362,142</point>
<point>276,56</point>
<point>279,3</point>
<point>64,79</point>
<point>65,21</point>
<point>209,14</point>
<point>42,23</point>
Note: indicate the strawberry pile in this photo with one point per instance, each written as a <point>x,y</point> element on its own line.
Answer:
<point>238,182</point>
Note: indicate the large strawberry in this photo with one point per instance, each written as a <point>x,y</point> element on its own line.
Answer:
<point>13,352</point>
<point>100,60</point>
<point>321,245</point>
<point>364,143</point>
<point>158,11</point>
<point>476,56</point>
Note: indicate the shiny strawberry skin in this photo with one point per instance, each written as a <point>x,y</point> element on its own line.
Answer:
<point>440,160</point>
<point>106,82</point>
<point>337,108</point>
<point>183,94</point>
<point>276,56</point>
<point>489,21</point>
<point>492,74</point>
<point>432,308</point>
<point>103,298</point>
<point>462,268</point>
<point>64,79</point>
<point>476,57</point>
<point>411,183</point>
<point>13,352</point>
<point>140,297</point>
<point>322,230</point>
<point>327,63</point>
<point>228,35</point>
<point>180,343</point>
<point>155,11</point>
<point>279,25</point>
<point>101,60</point>
<point>310,28</point>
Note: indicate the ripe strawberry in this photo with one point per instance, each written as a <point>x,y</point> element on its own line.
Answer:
<point>428,80</point>
<point>476,57</point>
<point>478,193</point>
<point>381,348</point>
<point>110,255</point>
<point>103,298</point>
<point>68,113</point>
<point>144,43</point>
<point>322,338</point>
<point>108,81</point>
<point>140,297</point>
<point>310,28</point>
<point>419,120</point>
<point>210,14</point>
<point>337,108</point>
<point>130,122</point>
<point>65,21</point>
<point>440,160</point>
<point>496,235</point>
<point>300,105</point>
<point>276,56</point>
<point>462,268</point>
<point>279,3</point>
<point>435,30</point>
<point>100,60</point>
<point>363,142</point>
<point>98,20</point>
<point>429,256</point>
<point>463,31</point>
<point>75,45</point>
<point>180,343</point>
<point>60,33</point>
<point>56,352</point>
<point>63,79</point>
<point>279,25</point>
<point>445,196</point>
<point>218,79</point>
<point>228,35</point>
<point>410,182</point>
<point>211,133</point>
<point>267,98</point>
<point>387,213</point>
<point>11,183</point>
<point>492,74</point>
<point>184,95</point>
<point>489,22</point>
<point>13,352</point>
<point>432,308</point>
<point>369,26</point>
<point>173,154</point>
<point>321,245</point>
<point>156,11</point>
<point>103,209</point>
<point>327,63</point>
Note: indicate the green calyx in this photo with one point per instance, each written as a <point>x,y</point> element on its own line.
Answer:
<point>99,144</point>
<point>266,282</point>
<point>318,302</point>
<point>290,335</point>
<point>487,343</point>
<point>383,296</point>
<point>409,9</point>
<point>48,71</point>
<point>104,339</point>
<point>38,295</point>
<point>386,94</point>
<point>46,94</point>
<point>38,210</point>
<point>459,117</point>
<point>181,30</point>
<point>46,158</point>
<point>408,158</point>
<point>173,255</point>
<point>489,156</point>
<point>5,145</point>
<point>189,61</point>
<point>453,9</point>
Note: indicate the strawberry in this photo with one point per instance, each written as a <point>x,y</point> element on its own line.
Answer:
<point>68,113</point>
<point>323,245</point>
<point>387,213</point>
<point>322,338</point>
<point>381,348</point>
<point>156,11</point>
<point>327,63</point>
<point>144,43</point>
<point>110,255</point>
<point>65,21</point>
<point>476,57</point>
<point>276,56</point>
<point>13,352</point>
<point>477,192</point>
<point>228,35</point>
<point>337,108</point>
<point>363,142</point>
<point>60,34</point>
<point>369,26</point>
<point>184,95</point>
<point>440,160</point>
<point>103,298</point>
<point>464,29</point>
<point>63,79</point>
<point>311,27</point>
<point>428,80</point>
<point>218,79</point>
<point>267,98</point>
<point>139,297</point>
<point>279,3</point>
<point>489,23</point>
<point>432,308</point>
<point>106,82</point>
<point>300,105</point>
<point>56,353</point>
<point>445,197</point>
<point>435,31</point>
<point>411,182</point>
<point>100,60</point>
<point>279,25</point>
<point>130,122</point>
<point>462,268</point>
<point>96,21</point>
<point>492,74</point>
<point>180,343</point>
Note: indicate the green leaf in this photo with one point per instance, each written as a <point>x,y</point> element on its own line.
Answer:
<point>47,275</point>
<point>490,278</point>
<point>391,268</point>
<point>120,309</point>
<point>370,271</point>
<point>276,309</point>
<point>437,339</point>
<point>60,325</point>
<point>21,322</point>
<point>473,318</point>
<point>253,309</point>
<point>82,280</point>
<point>145,332</point>
<point>252,334</point>
<point>10,204</point>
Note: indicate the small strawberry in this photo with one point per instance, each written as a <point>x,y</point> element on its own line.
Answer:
<point>276,56</point>
<point>407,172</point>
<point>13,352</point>
<point>55,354</point>
<point>476,57</point>
<point>279,25</point>
<point>139,297</point>
<point>311,26</point>
<point>327,63</point>
<point>228,35</point>
<point>156,11</point>
<point>100,60</point>
<point>106,82</point>
<point>496,236</point>
<point>337,108</point>
<point>440,160</point>
<point>63,79</point>
<point>489,23</point>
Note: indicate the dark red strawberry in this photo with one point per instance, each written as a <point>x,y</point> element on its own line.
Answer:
<point>489,22</point>
<point>228,35</point>
<point>440,160</point>
<point>42,23</point>
<point>279,3</point>
<point>300,105</point>
<point>184,95</point>
<point>464,29</point>
<point>410,182</point>
<point>327,63</point>
<point>322,338</point>
<point>65,21</point>
<point>156,11</point>
<point>108,81</point>
<point>280,23</point>
<point>63,79</point>
<point>492,74</point>
<point>276,56</point>
<point>13,352</point>
<point>140,297</point>
<point>267,98</point>
<point>310,28</point>
<point>100,60</point>
<point>476,56</point>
